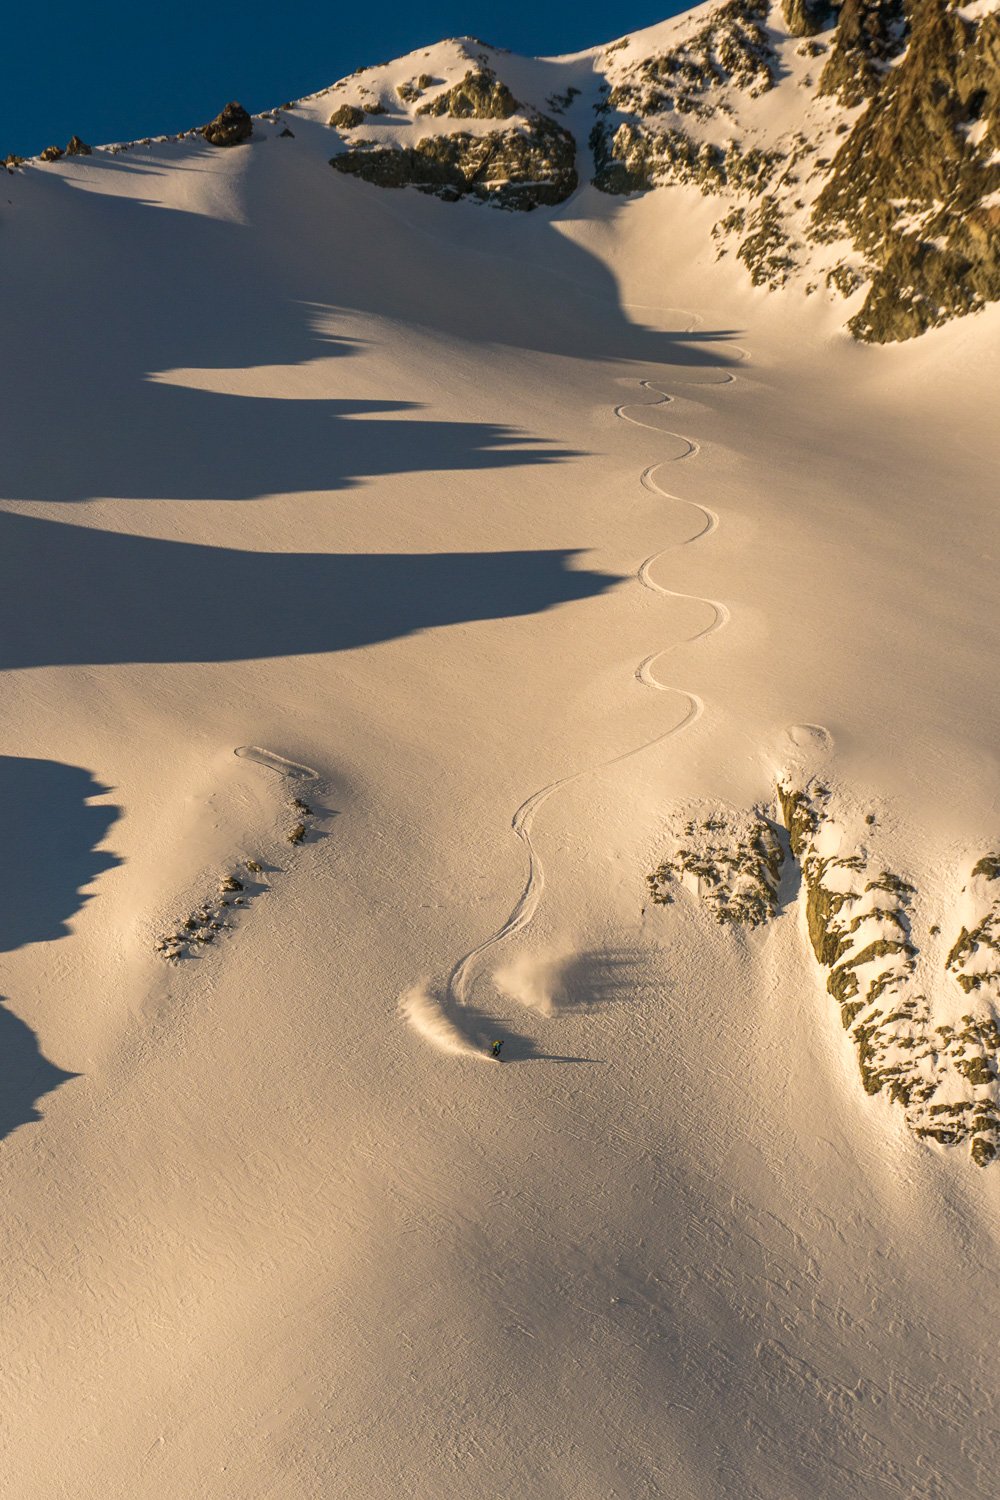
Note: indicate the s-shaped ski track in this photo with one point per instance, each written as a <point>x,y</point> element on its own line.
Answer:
<point>462,975</point>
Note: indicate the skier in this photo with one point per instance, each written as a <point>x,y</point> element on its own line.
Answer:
<point>495,1051</point>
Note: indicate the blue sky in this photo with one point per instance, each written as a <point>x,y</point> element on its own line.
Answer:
<point>109,71</point>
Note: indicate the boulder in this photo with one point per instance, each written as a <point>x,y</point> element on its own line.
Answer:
<point>346,117</point>
<point>231,128</point>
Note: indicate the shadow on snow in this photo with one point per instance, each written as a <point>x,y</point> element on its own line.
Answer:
<point>76,595</point>
<point>51,831</point>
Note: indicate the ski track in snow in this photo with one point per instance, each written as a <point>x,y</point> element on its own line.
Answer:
<point>527,904</point>
<point>688,449</point>
<point>290,769</point>
<point>430,1016</point>
<point>721,613</point>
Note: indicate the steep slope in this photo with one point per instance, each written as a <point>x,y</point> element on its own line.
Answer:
<point>413,598</point>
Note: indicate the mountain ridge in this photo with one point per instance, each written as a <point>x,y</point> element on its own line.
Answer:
<point>854,150</point>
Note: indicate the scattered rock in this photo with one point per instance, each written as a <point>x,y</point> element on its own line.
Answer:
<point>557,103</point>
<point>409,91</point>
<point>733,47</point>
<point>730,860</point>
<point>764,252</point>
<point>297,833</point>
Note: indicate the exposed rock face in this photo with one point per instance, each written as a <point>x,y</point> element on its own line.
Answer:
<point>51,153</point>
<point>77,147</point>
<point>479,96</point>
<point>347,117</point>
<point>805,17</point>
<point>916,184</point>
<point>870,33</point>
<point>519,168</point>
<point>230,128</point>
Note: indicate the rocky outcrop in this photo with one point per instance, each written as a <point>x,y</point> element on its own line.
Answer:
<point>520,168</point>
<point>916,184</point>
<point>76,147</point>
<point>923,1027</point>
<point>560,103</point>
<point>230,128</point>
<point>479,96</point>
<point>974,958</point>
<point>51,153</point>
<point>861,927</point>
<point>638,156</point>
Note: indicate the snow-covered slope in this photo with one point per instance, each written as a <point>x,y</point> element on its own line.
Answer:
<point>426,623</point>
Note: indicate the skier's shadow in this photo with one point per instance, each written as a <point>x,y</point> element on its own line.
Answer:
<point>481,1030</point>
<point>535,1054</point>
